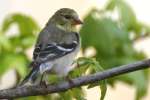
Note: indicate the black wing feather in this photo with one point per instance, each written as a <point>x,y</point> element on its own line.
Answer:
<point>53,51</point>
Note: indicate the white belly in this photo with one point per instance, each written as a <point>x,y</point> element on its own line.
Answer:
<point>61,66</point>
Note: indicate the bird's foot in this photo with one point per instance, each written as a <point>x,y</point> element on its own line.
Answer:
<point>43,84</point>
<point>67,78</point>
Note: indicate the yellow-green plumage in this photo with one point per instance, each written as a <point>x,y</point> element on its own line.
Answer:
<point>56,47</point>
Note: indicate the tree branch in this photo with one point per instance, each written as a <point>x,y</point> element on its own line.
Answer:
<point>84,80</point>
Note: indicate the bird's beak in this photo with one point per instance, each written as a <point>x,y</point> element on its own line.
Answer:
<point>77,21</point>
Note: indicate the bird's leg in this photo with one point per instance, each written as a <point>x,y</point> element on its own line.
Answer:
<point>43,82</point>
<point>78,65</point>
<point>67,78</point>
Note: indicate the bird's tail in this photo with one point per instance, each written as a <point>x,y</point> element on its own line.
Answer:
<point>31,78</point>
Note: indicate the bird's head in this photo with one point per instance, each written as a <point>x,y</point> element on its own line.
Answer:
<point>66,19</point>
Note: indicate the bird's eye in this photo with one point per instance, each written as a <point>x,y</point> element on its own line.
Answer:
<point>67,16</point>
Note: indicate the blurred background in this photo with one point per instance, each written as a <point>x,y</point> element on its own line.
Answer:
<point>115,32</point>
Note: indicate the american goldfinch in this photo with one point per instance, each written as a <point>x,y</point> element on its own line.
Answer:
<point>56,47</point>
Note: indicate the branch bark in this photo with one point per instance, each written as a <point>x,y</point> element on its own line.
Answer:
<point>84,80</point>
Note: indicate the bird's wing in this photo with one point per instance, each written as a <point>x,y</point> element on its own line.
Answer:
<point>53,51</point>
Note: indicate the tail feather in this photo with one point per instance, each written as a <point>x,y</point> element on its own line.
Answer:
<point>31,77</point>
<point>36,74</point>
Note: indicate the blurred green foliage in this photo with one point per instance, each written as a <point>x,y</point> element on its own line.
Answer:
<point>112,38</point>
<point>13,46</point>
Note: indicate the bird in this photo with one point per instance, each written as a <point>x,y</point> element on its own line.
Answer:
<point>56,48</point>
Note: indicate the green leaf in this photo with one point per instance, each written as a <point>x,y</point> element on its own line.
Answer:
<point>27,41</point>
<point>103,88</point>
<point>127,18</point>
<point>126,14</point>
<point>100,33</point>
<point>141,83</point>
<point>26,25</point>
<point>4,43</point>
<point>111,4</point>
<point>66,95</point>
<point>78,93</point>
<point>82,67</point>
<point>111,39</point>
<point>19,62</point>
<point>103,83</point>
<point>27,29</point>
<point>95,67</point>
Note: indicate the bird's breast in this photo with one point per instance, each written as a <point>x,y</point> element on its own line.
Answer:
<point>63,65</point>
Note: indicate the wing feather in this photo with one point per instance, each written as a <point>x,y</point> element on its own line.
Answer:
<point>53,51</point>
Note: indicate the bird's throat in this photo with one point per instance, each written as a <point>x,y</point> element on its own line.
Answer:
<point>67,28</point>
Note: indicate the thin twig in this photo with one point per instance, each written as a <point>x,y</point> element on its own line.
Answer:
<point>84,80</point>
